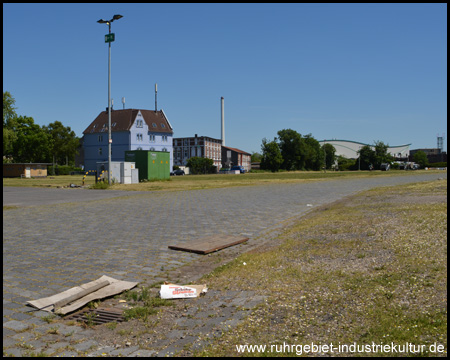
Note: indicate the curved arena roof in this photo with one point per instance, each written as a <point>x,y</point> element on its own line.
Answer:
<point>350,149</point>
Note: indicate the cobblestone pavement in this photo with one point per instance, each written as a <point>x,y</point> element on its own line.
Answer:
<point>50,248</point>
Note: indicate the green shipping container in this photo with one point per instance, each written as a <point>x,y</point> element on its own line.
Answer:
<point>152,165</point>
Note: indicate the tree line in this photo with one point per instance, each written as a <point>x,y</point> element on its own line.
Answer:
<point>292,151</point>
<point>25,141</point>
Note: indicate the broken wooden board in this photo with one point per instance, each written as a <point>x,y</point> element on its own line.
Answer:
<point>78,296</point>
<point>209,244</point>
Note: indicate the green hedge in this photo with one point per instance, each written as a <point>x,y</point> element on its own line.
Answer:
<point>438,164</point>
<point>62,169</point>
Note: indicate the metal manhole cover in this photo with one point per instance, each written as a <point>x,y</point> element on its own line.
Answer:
<point>98,316</point>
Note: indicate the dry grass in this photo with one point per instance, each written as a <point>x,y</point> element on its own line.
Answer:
<point>372,268</point>
<point>197,182</point>
<point>49,181</point>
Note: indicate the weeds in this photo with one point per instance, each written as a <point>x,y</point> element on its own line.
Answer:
<point>332,280</point>
<point>146,305</point>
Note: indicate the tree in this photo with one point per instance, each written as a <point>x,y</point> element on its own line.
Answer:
<point>345,164</point>
<point>256,157</point>
<point>9,123</point>
<point>421,158</point>
<point>271,156</point>
<point>199,165</point>
<point>65,142</point>
<point>381,154</point>
<point>330,155</point>
<point>314,156</point>
<point>32,143</point>
<point>292,149</point>
<point>366,157</point>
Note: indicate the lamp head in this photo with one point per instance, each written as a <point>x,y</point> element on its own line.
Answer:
<point>117,17</point>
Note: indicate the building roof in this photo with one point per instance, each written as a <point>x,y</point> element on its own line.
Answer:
<point>198,137</point>
<point>236,150</point>
<point>350,149</point>
<point>122,120</point>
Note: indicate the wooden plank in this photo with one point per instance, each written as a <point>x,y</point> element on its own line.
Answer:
<point>209,244</point>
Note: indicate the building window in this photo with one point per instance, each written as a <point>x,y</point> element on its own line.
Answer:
<point>154,125</point>
<point>152,138</point>
<point>100,151</point>
<point>139,123</point>
<point>139,137</point>
<point>163,126</point>
<point>164,149</point>
<point>100,138</point>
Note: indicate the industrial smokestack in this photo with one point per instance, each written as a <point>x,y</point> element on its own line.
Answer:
<point>223,123</point>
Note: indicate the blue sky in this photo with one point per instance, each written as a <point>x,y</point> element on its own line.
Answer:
<point>360,72</point>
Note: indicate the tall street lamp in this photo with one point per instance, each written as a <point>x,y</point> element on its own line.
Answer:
<point>109,38</point>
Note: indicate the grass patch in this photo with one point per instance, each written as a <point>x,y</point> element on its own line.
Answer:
<point>49,181</point>
<point>144,304</point>
<point>371,268</point>
<point>196,182</point>
<point>102,185</point>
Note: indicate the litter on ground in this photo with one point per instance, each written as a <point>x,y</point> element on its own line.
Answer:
<point>173,291</point>
<point>78,296</point>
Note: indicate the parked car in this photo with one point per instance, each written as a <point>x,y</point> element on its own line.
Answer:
<point>240,168</point>
<point>177,172</point>
<point>385,167</point>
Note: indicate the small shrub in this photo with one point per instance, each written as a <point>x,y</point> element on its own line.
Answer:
<point>100,185</point>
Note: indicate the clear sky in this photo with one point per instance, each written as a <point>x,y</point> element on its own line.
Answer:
<point>360,72</point>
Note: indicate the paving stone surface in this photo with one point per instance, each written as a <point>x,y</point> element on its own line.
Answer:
<point>79,236</point>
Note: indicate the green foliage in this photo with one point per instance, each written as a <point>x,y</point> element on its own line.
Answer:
<point>32,143</point>
<point>381,154</point>
<point>376,156</point>
<point>438,164</point>
<point>330,155</point>
<point>420,157</point>
<point>271,156</point>
<point>199,165</point>
<point>292,149</point>
<point>366,157</point>
<point>62,169</point>
<point>314,156</point>
<point>100,185</point>
<point>64,144</point>
<point>296,152</point>
<point>256,157</point>
<point>25,141</point>
<point>9,120</point>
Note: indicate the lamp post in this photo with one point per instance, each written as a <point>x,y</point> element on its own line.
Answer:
<point>109,38</point>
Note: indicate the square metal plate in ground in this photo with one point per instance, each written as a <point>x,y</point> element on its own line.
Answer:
<point>209,244</point>
<point>98,316</point>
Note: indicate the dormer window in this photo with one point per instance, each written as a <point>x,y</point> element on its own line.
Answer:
<point>113,124</point>
<point>95,125</point>
<point>163,126</point>
<point>154,125</point>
